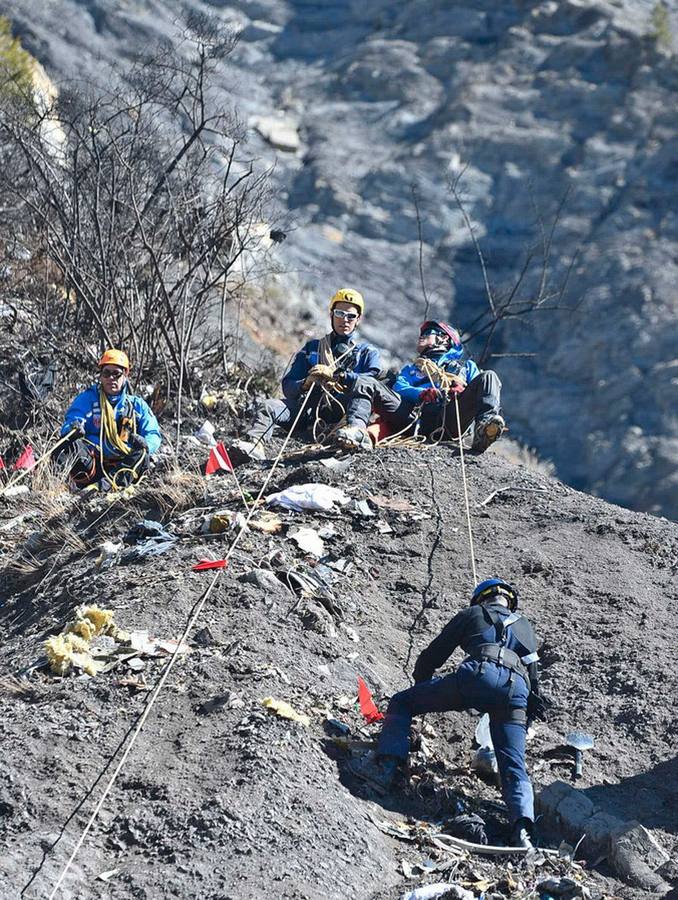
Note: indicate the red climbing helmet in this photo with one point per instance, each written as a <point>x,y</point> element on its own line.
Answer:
<point>441,328</point>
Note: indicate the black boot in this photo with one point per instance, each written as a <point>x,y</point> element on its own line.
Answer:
<point>377,771</point>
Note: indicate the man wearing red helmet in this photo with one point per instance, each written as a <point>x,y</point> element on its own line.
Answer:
<point>114,433</point>
<point>425,391</point>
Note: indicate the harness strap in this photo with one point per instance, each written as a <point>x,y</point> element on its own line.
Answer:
<point>502,656</point>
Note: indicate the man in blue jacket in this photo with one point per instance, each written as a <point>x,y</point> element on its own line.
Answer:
<point>424,391</point>
<point>113,433</point>
<point>499,676</point>
<point>329,367</point>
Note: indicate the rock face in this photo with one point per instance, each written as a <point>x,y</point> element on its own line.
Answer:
<point>529,102</point>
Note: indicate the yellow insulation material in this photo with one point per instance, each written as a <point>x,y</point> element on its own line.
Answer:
<point>72,646</point>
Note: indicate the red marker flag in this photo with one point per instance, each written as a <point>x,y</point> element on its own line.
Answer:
<point>210,564</point>
<point>367,705</point>
<point>27,458</point>
<point>2,463</point>
<point>218,460</point>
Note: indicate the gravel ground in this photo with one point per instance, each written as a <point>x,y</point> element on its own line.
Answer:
<point>219,797</point>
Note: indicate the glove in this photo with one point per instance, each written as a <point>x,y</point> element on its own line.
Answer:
<point>420,675</point>
<point>137,442</point>
<point>318,375</point>
<point>430,395</point>
<point>537,707</point>
<point>321,372</point>
<point>458,384</point>
<point>78,428</point>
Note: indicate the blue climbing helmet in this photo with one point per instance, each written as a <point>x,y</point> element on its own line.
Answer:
<point>490,588</point>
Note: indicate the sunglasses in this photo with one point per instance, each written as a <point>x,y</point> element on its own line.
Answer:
<point>342,314</point>
<point>112,373</point>
<point>430,331</point>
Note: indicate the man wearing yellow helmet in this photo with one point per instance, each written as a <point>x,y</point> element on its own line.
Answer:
<point>112,430</point>
<point>329,367</point>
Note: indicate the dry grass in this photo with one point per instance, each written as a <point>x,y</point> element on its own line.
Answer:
<point>172,491</point>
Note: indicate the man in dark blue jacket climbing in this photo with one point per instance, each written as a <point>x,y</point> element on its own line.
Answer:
<point>113,433</point>
<point>327,367</point>
<point>423,396</point>
<point>499,676</point>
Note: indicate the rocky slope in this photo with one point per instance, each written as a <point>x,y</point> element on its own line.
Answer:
<point>533,101</point>
<point>220,798</point>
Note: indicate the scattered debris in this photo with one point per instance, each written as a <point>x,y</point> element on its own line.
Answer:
<point>222,521</point>
<point>72,647</point>
<point>108,555</point>
<point>106,876</point>
<point>308,540</point>
<point>203,564</point>
<point>442,889</point>
<point>205,434</point>
<point>151,539</point>
<point>561,888</point>
<point>335,727</point>
<point>207,400</point>
<point>396,504</point>
<point>469,827</point>
<point>268,522</point>
<point>338,465</point>
<point>361,508</point>
<point>285,710</point>
<point>93,643</point>
<point>485,759</point>
<point>313,497</point>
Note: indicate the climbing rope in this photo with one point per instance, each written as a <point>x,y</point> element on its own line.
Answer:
<point>447,381</point>
<point>466,501</point>
<point>193,618</point>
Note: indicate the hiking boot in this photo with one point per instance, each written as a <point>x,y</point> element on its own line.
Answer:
<point>240,451</point>
<point>354,437</point>
<point>489,429</point>
<point>377,771</point>
<point>521,834</point>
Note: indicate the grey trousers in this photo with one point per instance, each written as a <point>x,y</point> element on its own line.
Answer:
<point>273,414</point>
<point>481,397</point>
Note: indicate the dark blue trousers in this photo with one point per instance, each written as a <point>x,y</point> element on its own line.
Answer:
<point>488,688</point>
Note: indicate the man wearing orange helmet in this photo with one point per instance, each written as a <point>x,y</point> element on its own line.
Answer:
<point>328,367</point>
<point>114,432</point>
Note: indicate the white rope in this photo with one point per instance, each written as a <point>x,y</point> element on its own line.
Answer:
<point>468,508</point>
<point>429,370</point>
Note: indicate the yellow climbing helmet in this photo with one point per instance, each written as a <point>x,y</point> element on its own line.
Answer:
<point>114,358</point>
<point>348,295</point>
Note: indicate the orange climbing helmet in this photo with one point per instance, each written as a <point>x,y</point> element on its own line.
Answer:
<point>114,358</point>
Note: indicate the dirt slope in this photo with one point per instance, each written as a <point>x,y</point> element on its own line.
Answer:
<point>221,799</point>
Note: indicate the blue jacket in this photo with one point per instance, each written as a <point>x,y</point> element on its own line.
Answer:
<point>363,361</point>
<point>86,407</point>
<point>411,381</point>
